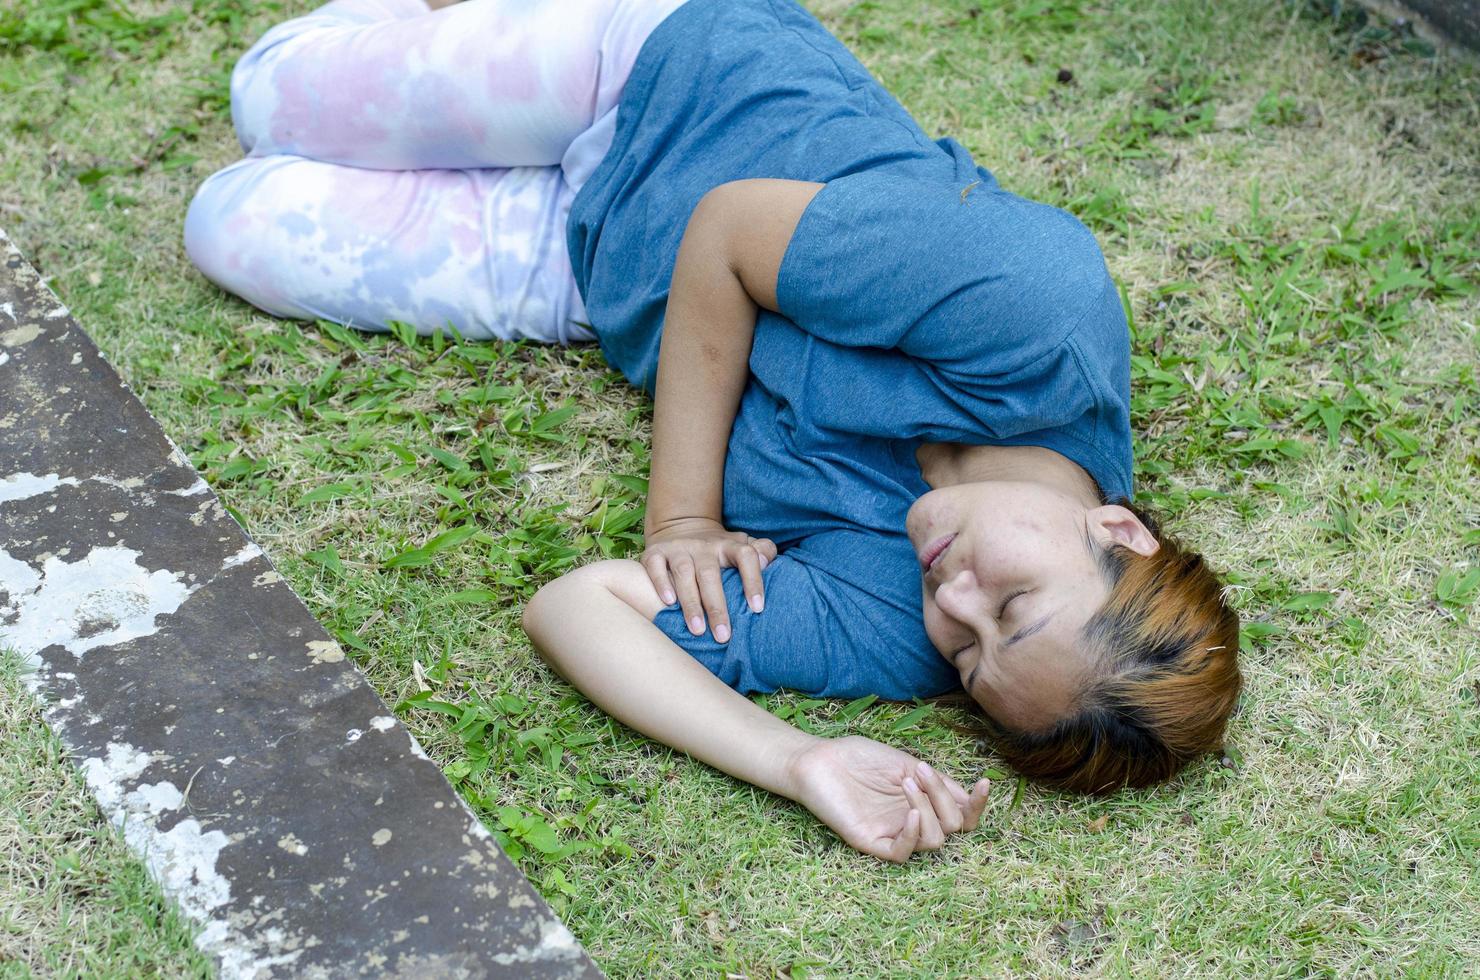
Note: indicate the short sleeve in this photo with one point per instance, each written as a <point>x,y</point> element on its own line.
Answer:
<point>826,632</point>
<point>958,275</point>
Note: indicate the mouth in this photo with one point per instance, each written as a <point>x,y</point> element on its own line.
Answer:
<point>932,553</point>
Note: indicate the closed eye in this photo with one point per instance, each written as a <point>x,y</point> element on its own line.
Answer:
<point>1006,602</point>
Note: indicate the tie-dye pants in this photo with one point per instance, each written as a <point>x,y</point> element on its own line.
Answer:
<point>416,165</point>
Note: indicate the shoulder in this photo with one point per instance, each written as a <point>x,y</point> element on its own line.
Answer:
<point>753,221</point>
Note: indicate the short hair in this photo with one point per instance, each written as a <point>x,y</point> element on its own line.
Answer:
<point>1165,681</point>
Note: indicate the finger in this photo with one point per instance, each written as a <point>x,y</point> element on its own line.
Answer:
<point>687,585</point>
<point>977,803</point>
<point>905,842</point>
<point>957,793</point>
<point>931,836</point>
<point>712,594</point>
<point>748,560</point>
<point>947,810</point>
<point>767,549</point>
<point>657,569</point>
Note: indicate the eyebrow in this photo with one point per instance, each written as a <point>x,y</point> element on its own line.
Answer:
<point>1027,631</point>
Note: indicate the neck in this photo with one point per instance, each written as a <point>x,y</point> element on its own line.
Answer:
<point>944,464</point>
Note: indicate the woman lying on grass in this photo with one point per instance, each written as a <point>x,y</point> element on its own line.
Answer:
<point>891,444</point>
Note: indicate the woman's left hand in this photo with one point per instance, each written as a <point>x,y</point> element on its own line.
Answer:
<point>684,557</point>
<point>882,801</point>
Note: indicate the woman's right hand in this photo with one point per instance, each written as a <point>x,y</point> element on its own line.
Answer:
<point>884,802</point>
<point>683,559</point>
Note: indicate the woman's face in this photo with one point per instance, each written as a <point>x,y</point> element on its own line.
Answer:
<point>1010,578</point>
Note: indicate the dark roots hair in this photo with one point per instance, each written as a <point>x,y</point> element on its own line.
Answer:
<point>1166,646</point>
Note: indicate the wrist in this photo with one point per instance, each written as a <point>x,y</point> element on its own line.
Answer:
<point>655,526</point>
<point>793,755</point>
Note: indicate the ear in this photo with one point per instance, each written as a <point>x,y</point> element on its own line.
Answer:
<point>1113,524</point>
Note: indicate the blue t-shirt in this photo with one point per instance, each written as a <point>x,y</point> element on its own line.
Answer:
<point>919,303</point>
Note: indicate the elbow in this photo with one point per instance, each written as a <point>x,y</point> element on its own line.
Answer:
<point>557,593</point>
<point>540,611</point>
<point>714,205</point>
<point>528,617</point>
<point>573,594</point>
<point>707,233</point>
<point>534,610</point>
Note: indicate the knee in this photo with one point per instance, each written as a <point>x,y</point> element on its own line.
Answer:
<point>253,98</point>
<point>206,223</point>
<point>225,233</point>
<point>215,220</point>
<point>263,84</point>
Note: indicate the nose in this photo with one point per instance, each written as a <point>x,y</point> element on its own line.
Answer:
<point>960,597</point>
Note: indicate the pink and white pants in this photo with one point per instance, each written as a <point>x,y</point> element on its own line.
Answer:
<point>417,165</point>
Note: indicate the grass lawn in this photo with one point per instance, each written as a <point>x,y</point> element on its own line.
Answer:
<point>1290,196</point>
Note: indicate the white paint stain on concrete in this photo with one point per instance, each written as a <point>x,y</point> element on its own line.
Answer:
<point>21,486</point>
<point>103,599</point>
<point>178,457</point>
<point>556,940</point>
<point>291,844</point>
<point>417,750</point>
<point>155,798</point>
<point>325,651</point>
<point>9,310</point>
<point>382,723</point>
<point>105,776</point>
<point>3,357</point>
<point>194,490</point>
<point>556,943</point>
<point>248,552</point>
<point>183,860</point>
<point>381,837</point>
<point>16,579</point>
<point>16,336</point>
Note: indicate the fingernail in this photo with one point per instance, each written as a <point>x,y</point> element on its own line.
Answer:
<point>757,603</point>
<point>669,598</point>
<point>911,785</point>
<point>722,633</point>
<point>764,562</point>
<point>923,769</point>
<point>696,625</point>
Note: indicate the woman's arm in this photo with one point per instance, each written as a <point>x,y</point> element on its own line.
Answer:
<point>594,626</point>
<point>725,270</point>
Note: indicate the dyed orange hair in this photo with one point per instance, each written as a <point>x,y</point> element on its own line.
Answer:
<point>1166,645</point>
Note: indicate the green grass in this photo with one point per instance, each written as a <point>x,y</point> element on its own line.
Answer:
<point>1287,192</point>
